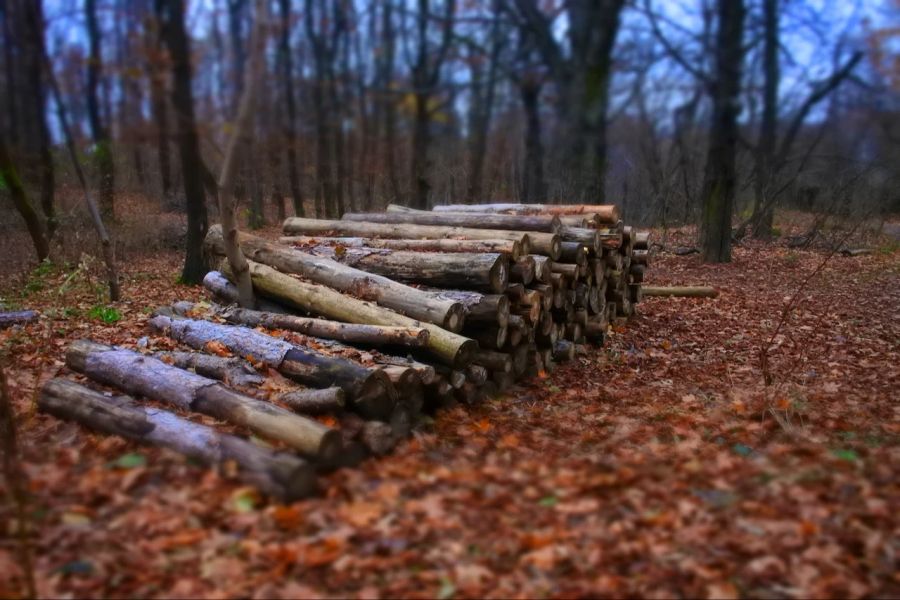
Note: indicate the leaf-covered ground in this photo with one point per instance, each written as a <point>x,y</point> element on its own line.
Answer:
<point>659,465</point>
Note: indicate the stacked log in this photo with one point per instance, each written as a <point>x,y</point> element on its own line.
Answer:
<point>373,319</point>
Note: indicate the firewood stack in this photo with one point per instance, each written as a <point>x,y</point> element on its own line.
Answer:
<point>367,320</point>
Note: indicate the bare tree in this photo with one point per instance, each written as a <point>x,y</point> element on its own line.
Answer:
<point>102,143</point>
<point>287,82</point>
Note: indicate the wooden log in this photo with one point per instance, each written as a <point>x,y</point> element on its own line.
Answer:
<point>542,270</point>
<point>512,248</point>
<point>574,252</point>
<point>583,235</point>
<point>608,213</point>
<point>295,225</point>
<point>484,272</point>
<point>445,345</point>
<point>476,374</point>
<point>493,360</point>
<point>563,351</point>
<point>546,244</point>
<point>516,331</point>
<point>546,294</point>
<point>541,223</point>
<point>369,391</point>
<point>642,240</point>
<point>637,273</point>
<point>594,299</point>
<point>351,333</point>
<point>154,379</point>
<point>520,360</point>
<point>367,286</point>
<point>578,220</point>
<point>409,386</point>
<point>225,292</point>
<point>20,317</point>
<point>469,394</point>
<point>640,257</point>
<point>570,271</point>
<point>522,271</point>
<point>574,331</point>
<point>426,372</point>
<point>279,474</point>
<point>315,402</point>
<point>530,312</point>
<point>480,308</point>
<point>229,370</point>
<point>454,377</point>
<point>516,292</point>
<point>692,291</point>
<point>492,338</point>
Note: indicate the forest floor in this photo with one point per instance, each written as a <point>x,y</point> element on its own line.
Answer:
<point>658,465</point>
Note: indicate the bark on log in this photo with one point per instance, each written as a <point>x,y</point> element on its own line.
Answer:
<point>351,333</point>
<point>493,360</point>
<point>511,248</point>
<point>642,240</point>
<point>152,378</point>
<point>449,347</point>
<point>315,402</point>
<point>574,252</point>
<point>8,319</point>
<point>279,474</point>
<point>522,271</point>
<point>480,308</point>
<point>231,371</point>
<point>484,272</point>
<point>608,213</point>
<point>426,372</point>
<point>367,286</point>
<point>563,350</point>
<point>300,226</point>
<point>225,292</point>
<point>492,338</point>
<point>545,224</point>
<point>582,235</point>
<point>476,374</point>
<point>695,291</point>
<point>409,387</point>
<point>369,391</point>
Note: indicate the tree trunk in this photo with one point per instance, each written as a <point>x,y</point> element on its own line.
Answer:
<point>282,475</point>
<point>534,186</point>
<point>382,290</point>
<point>538,223</point>
<point>154,379</point>
<point>33,222</point>
<point>449,347</point>
<point>511,248</point>
<point>287,82</point>
<point>154,44</point>
<point>103,154</point>
<point>172,17</point>
<point>369,392</point>
<point>763,212</point>
<point>720,177</point>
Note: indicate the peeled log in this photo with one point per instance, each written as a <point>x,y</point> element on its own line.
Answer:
<point>695,291</point>
<point>449,347</point>
<point>511,248</point>
<point>226,292</point>
<point>485,272</point>
<point>546,224</point>
<point>367,286</point>
<point>152,378</point>
<point>282,475</point>
<point>369,391</point>
<point>608,213</point>
<point>295,225</point>
<point>351,333</point>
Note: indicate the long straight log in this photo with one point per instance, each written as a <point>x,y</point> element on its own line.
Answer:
<point>368,286</point>
<point>298,226</point>
<point>485,272</point>
<point>369,391</point>
<point>582,235</point>
<point>280,474</point>
<point>152,378</point>
<point>315,402</point>
<point>229,370</point>
<point>8,319</point>
<point>545,224</point>
<point>480,308</point>
<point>351,333</point>
<point>608,213</point>
<point>512,248</point>
<point>694,291</point>
<point>574,252</point>
<point>449,347</point>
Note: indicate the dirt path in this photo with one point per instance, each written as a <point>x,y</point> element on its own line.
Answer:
<point>659,465</point>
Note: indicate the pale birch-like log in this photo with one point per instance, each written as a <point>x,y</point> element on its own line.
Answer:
<point>222,290</point>
<point>146,376</point>
<point>279,474</point>
<point>8,319</point>
<point>608,213</point>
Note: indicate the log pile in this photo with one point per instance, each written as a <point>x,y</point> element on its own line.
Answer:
<point>361,324</point>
